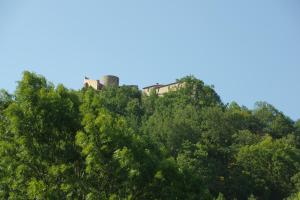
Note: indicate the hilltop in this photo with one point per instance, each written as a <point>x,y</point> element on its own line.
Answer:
<point>120,143</point>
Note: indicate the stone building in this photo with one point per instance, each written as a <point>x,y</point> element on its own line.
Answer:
<point>110,80</point>
<point>106,81</point>
<point>162,89</point>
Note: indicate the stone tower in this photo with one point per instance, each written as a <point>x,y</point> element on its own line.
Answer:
<point>110,80</point>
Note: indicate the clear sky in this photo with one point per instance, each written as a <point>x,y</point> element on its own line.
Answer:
<point>248,49</point>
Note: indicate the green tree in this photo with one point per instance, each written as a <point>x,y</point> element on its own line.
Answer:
<point>117,143</point>
<point>118,162</point>
<point>38,143</point>
<point>274,122</point>
<point>268,167</point>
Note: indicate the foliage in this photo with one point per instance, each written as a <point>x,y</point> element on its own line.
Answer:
<point>118,143</point>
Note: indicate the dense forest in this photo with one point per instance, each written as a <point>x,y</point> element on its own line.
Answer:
<point>117,143</point>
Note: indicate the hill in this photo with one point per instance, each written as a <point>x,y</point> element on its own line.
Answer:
<point>117,143</point>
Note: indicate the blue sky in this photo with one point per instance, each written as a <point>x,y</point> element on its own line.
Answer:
<point>249,50</point>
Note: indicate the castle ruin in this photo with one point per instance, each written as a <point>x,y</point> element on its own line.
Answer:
<point>162,89</point>
<point>110,80</point>
<point>106,81</point>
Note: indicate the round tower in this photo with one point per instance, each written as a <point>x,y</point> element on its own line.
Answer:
<point>110,80</point>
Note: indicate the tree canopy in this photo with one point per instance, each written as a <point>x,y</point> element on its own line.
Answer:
<point>118,143</point>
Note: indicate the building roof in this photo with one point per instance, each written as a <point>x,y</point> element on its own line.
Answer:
<point>171,84</point>
<point>156,86</point>
<point>159,85</point>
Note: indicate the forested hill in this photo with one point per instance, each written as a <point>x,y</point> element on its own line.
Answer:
<point>57,143</point>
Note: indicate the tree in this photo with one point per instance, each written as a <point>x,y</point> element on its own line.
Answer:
<point>268,167</point>
<point>119,163</point>
<point>37,145</point>
<point>274,122</point>
<point>117,143</point>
